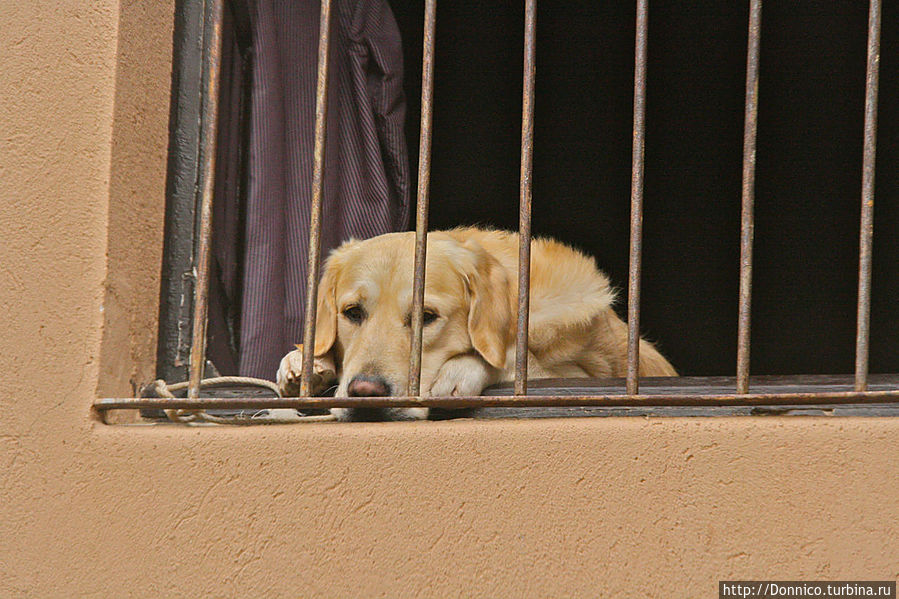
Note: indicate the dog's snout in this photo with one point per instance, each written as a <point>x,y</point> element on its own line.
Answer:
<point>368,386</point>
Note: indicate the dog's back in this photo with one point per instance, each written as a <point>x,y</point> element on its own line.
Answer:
<point>573,330</point>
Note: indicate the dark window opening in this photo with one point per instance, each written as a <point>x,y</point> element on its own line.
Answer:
<point>808,174</point>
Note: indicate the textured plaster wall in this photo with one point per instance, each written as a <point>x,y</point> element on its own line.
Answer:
<point>57,73</point>
<point>136,196</point>
<point>579,507</point>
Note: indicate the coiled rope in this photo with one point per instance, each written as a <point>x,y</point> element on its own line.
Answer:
<point>159,388</point>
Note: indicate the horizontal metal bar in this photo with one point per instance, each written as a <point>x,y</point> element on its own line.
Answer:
<point>696,385</point>
<point>307,403</point>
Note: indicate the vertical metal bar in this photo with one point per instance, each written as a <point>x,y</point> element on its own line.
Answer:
<point>747,220</point>
<point>524,215</point>
<point>213,60</point>
<point>424,180</point>
<point>862,336</point>
<point>315,225</point>
<point>633,283</point>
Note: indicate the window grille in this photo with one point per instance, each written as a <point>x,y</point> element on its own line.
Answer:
<point>708,392</point>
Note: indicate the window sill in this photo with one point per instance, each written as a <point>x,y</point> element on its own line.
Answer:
<point>560,398</point>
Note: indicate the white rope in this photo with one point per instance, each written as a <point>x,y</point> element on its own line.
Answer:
<point>229,380</point>
<point>266,416</point>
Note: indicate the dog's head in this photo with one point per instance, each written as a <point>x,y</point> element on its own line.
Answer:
<point>365,304</point>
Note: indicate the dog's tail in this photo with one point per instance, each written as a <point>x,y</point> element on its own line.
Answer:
<point>652,362</point>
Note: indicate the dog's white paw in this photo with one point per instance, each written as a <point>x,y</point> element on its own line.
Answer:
<point>290,372</point>
<point>463,376</point>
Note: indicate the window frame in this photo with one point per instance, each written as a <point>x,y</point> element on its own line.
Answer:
<point>185,275</point>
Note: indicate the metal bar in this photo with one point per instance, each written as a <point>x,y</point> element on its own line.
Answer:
<point>747,218</point>
<point>611,401</point>
<point>862,336</point>
<point>524,215</point>
<point>634,265</point>
<point>424,181</point>
<point>213,60</point>
<point>315,211</point>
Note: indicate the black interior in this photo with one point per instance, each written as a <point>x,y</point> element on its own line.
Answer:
<point>813,57</point>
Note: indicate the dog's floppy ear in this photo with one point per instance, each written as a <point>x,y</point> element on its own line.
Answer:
<point>489,315</point>
<point>326,310</point>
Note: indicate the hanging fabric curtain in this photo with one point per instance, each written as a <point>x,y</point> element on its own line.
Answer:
<point>264,173</point>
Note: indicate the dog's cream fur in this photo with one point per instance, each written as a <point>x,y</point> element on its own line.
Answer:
<point>472,288</point>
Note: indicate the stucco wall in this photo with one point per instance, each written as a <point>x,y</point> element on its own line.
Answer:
<point>579,507</point>
<point>136,195</point>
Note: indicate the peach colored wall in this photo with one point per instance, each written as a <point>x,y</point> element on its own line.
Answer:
<point>578,507</point>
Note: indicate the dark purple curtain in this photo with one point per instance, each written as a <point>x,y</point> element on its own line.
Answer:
<point>262,211</point>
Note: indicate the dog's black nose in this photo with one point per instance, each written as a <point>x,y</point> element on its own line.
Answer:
<point>368,386</point>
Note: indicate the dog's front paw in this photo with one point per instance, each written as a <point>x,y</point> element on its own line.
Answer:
<point>291,370</point>
<point>463,376</point>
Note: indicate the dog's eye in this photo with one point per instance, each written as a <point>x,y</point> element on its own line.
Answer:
<point>354,314</point>
<point>427,317</point>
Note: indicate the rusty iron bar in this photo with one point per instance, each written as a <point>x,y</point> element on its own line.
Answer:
<point>315,211</point>
<point>863,334</point>
<point>424,181</point>
<point>212,50</point>
<point>636,248</point>
<point>747,217</point>
<point>524,215</point>
<point>531,401</point>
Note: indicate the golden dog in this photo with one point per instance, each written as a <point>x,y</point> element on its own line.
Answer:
<point>471,296</point>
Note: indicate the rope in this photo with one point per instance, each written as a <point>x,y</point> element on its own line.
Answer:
<point>218,381</point>
<point>269,416</point>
